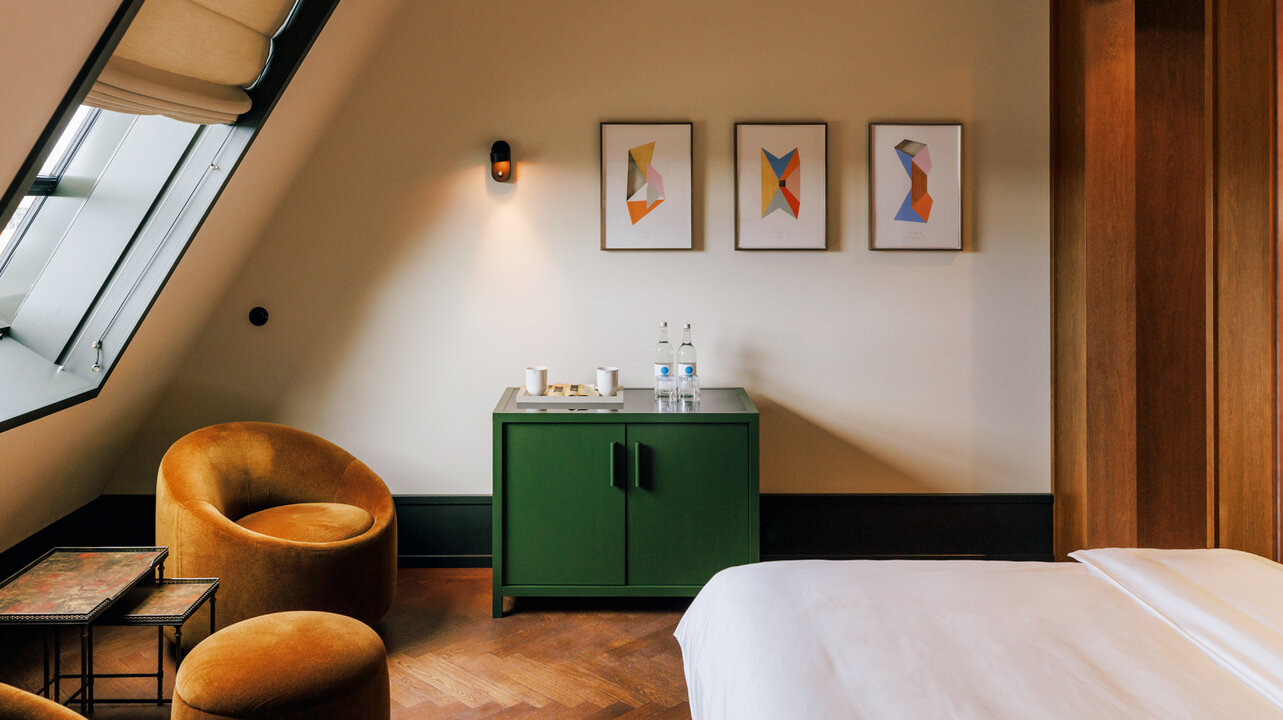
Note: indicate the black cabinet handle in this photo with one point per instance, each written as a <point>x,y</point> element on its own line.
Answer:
<point>614,481</point>
<point>637,464</point>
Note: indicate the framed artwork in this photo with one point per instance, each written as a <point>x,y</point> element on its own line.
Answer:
<point>646,186</point>
<point>781,186</point>
<point>915,186</point>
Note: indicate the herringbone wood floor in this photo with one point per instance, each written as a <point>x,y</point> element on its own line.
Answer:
<point>448,659</point>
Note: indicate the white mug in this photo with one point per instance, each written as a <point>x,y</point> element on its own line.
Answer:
<point>536,379</point>
<point>607,380</point>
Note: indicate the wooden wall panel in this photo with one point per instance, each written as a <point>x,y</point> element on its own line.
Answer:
<point>1069,381</point>
<point>1278,288</point>
<point>1109,196</point>
<point>1164,281</point>
<point>1094,273</point>
<point>1171,392</point>
<point>1243,156</point>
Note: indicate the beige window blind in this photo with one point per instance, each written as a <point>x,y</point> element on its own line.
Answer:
<point>190,59</point>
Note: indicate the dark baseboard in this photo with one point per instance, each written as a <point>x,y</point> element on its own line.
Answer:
<point>454,530</point>
<point>432,530</point>
<point>907,526</point>
<point>443,530</point>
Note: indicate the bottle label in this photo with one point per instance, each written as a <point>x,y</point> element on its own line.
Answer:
<point>685,369</point>
<point>663,370</point>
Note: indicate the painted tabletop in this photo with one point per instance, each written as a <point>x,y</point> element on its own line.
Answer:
<point>161,602</point>
<point>72,583</point>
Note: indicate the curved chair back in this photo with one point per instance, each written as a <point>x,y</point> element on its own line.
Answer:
<point>244,467</point>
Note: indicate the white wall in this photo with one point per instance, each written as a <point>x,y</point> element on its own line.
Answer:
<point>53,465</point>
<point>406,290</point>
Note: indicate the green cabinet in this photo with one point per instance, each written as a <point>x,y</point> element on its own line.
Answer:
<point>623,502</point>
<point>562,517</point>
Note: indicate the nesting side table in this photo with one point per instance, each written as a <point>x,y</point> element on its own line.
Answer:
<point>88,586</point>
<point>160,604</point>
<point>74,586</point>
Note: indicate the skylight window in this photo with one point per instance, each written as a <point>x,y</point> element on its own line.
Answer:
<point>11,230</point>
<point>89,241</point>
<point>20,264</point>
<point>46,182</point>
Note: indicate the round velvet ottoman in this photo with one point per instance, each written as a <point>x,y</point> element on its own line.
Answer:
<point>286,666</point>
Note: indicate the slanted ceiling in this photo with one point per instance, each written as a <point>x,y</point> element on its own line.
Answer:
<point>53,465</point>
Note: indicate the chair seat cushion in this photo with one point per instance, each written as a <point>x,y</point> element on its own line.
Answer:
<point>309,522</point>
<point>286,665</point>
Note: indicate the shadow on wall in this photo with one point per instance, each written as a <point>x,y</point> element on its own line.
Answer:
<point>797,455</point>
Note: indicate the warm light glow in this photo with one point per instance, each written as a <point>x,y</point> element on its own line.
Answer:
<point>510,252</point>
<point>500,169</point>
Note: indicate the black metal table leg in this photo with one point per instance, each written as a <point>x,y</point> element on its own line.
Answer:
<point>91,669</point>
<point>44,653</point>
<point>160,664</point>
<point>84,670</point>
<point>57,664</point>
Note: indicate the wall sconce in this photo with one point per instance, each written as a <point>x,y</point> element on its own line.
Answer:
<point>500,161</point>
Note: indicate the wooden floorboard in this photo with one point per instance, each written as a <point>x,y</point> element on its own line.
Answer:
<point>447,658</point>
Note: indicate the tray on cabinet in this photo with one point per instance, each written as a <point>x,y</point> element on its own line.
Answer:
<point>570,402</point>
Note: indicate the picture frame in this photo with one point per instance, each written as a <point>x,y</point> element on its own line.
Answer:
<point>781,186</point>
<point>646,178</point>
<point>915,186</point>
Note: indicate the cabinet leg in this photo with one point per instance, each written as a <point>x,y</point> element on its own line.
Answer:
<point>498,605</point>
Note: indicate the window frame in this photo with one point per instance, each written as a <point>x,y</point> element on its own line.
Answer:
<point>34,385</point>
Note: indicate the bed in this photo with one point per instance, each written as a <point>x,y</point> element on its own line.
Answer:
<point>1120,633</point>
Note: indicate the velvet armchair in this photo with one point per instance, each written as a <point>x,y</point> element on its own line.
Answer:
<point>285,519</point>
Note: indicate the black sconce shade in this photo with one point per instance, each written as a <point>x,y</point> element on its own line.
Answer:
<point>500,161</point>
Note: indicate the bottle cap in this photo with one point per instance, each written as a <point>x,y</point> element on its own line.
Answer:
<point>663,324</point>
<point>687,326</point>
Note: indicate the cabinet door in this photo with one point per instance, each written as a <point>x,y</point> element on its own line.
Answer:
<point>563,518</point>
<point>687,501</point>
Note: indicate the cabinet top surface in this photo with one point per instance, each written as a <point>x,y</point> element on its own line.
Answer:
<point>640,403</point>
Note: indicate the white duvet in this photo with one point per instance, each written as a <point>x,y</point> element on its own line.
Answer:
<point>1120,634</point>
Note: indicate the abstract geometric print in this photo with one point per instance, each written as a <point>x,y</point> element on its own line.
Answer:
<point>645,184</point>
<point>781,183</point>
<point>917,163</point>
